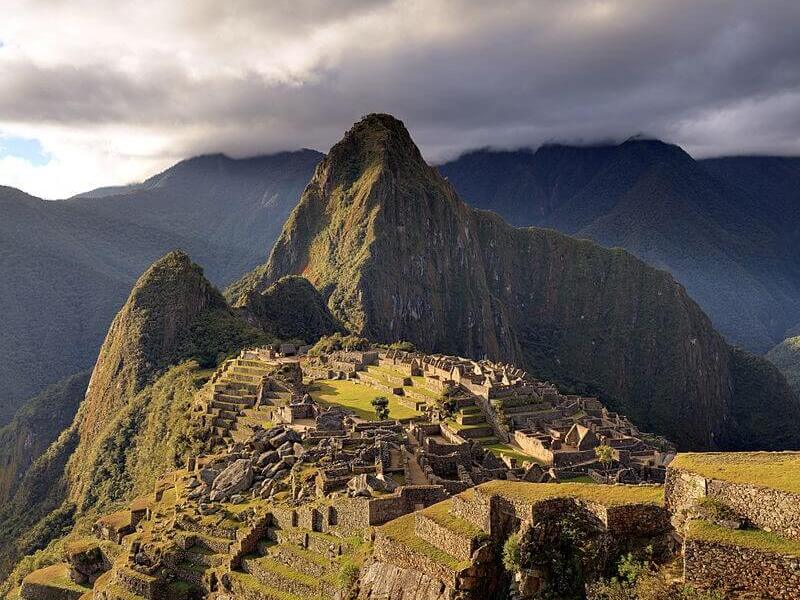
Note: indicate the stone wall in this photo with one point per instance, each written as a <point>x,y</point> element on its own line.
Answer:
<point>738,569</point>
<point>350,515</point>
<point>387,551</point>
<point>765,508</point>
<point>35,591</point>
<point>531,445</point>
<point>407,499</point>
<point>457,546</point>
<point>474,509</point>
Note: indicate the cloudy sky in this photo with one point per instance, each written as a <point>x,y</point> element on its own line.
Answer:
<point>96,93</point>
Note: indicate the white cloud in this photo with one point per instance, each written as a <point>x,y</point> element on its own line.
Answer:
<point>116,91</point>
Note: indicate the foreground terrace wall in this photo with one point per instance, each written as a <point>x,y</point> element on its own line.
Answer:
<point>766,508</point>
<point>739,569</point>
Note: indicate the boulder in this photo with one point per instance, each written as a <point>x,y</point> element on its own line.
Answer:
<point>366,484</point>
<point>267,458</point>
<point>236,478</point>
<point>208,475</point>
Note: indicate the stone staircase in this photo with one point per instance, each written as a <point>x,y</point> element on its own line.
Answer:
<point>241,389</point>
<point>291,564</point>
<point>471,424</point>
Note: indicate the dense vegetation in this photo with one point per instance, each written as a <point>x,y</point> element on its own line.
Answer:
<point>291,308</point>
<point>68,266</point>
<point>134,424</point>
<point>35,426</point>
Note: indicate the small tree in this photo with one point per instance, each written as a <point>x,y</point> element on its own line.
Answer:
<point>605,456</point>
<point>511,554</point>
<point>381,406</point>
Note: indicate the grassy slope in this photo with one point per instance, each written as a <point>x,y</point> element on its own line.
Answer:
<point>748,538</point>
<point>601,494</point>
<point>35,426</point>
<point>133,425</point>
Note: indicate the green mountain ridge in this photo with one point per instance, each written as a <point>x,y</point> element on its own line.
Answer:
<point>35,426</point>
<point>68,265</point>
<point>134,423</point>
<point>397,255</point>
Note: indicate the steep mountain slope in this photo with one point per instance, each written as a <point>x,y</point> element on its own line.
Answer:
<point>292,309</point>
<point>134,422</point>
<point>786,356</point>
<point>399,256</point>
<point>172,315</point>
<point>67,266</point>
<point>719,232</point>
<point>35,426</point>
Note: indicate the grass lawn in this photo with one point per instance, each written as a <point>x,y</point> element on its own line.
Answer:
<point>607,495</point>
<point>357,398</point>
<point>777,470</point>
<point>747,538</point>
<point>578,479</point>
<point>501,449</point>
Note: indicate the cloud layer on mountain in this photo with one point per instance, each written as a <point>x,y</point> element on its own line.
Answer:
<point>114,93</point>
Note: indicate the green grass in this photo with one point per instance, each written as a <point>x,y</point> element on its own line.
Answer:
<point>777,470</point>
<point>309,555</point>
<point>402,531</point>
<point>287,572</point>
<point>456,426</point>
<point>578,479</point>
<point>251,583</point>
<point>440,514</point>
<point>607,495</point>
<point>746,538</point>
<point>55,576</point>
<point>357,398</point>
<point>501,449</point>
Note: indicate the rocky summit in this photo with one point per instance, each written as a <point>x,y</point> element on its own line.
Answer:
<point>397,255</point>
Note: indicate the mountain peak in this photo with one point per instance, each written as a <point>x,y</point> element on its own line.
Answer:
<point>377,140</point>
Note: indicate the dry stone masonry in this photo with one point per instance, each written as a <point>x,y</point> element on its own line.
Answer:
<point>302,498</point>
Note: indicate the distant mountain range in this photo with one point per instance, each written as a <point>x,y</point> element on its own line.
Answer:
<point>725,228</point>
<point>67,266</point>
<point>728,229</point>
<point>398,255</point>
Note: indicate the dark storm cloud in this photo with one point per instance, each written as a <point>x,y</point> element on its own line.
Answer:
<point>246,77</point>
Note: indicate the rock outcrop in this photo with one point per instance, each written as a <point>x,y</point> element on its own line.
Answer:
<point>173,314</point>
<point>291,308</point>
<point>397,255</point>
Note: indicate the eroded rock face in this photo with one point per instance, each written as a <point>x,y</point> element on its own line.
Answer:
<point>236,478</point>
<point>382,581</point>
